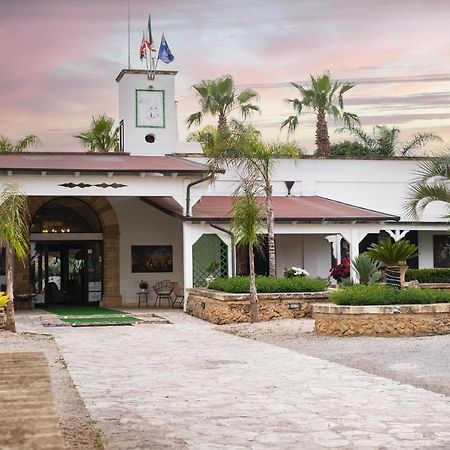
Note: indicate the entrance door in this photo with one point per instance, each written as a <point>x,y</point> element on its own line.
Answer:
<point>67,273</point>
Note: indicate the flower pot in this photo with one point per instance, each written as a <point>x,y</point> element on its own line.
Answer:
<point>403,268</point>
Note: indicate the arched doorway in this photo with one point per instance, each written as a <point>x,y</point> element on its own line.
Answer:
<point>66,257</point>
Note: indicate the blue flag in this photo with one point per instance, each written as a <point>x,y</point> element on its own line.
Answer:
<point>164,54</point>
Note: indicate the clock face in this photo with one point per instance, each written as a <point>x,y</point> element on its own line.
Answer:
<point>150,109</point>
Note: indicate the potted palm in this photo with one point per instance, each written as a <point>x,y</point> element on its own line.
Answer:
<point>393,255</point>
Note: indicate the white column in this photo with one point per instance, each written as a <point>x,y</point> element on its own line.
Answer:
<point>187,259</point>
<point>353,236</point>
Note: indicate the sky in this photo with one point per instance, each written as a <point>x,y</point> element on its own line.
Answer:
<point>59,59</point>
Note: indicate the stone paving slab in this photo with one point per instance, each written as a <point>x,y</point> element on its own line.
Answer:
<point>29,419</point>
<point>187,386</point>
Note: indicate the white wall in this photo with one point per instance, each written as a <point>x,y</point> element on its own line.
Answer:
<point>141,224</point>
<point>311,252</point>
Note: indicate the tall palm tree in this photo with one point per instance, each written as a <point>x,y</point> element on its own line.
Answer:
<point>385,141</point>
<point>102,136</point>
<point>432,184</point>
<point>219,98</point>
<point>14,235</point>
<point>325,98</point>
<point>240,146</point>
<point>7,146</point>
<point>245,227</point>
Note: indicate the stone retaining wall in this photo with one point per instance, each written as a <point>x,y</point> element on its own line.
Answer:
<point>2,318</point>
<point>395,320</point>
<point>221,307</point>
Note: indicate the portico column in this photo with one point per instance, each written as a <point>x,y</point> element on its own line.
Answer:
<point>353,236</point>
<point>187,259</point>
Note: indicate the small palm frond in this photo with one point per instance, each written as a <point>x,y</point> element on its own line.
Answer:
<point>364,138</point>
<point>26,142</point>
<point>291,122</point>
<point>6,146</point>
<point>194,118</point>
<point>246,95</point>
<point>422,194</point>
<point>434,168</point>
<point>247,109</point>
<point>419,140</point>
<point>350,120</point>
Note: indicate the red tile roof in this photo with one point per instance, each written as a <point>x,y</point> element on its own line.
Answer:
<point>305,208</point>
<point>96,162</point>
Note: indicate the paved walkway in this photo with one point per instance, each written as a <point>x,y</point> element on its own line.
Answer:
<point>187,386</point>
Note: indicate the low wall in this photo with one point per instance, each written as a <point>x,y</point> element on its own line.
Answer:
<point>395,320</point>
<point>220,307</point>
<point>2,318</point>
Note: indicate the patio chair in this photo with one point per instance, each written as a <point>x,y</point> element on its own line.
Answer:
<point>163,291</point>
<point>178,293</point>
<point>25,297</point>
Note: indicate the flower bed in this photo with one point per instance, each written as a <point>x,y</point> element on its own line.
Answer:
<point>385,295</point>
<point>241,285</point>
<point>221,307</point>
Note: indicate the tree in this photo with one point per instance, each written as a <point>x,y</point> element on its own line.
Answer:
<point>7,146</point>
<point>245,227</point>
<point>385,141</point>
<point>240,146</point>
<point>325,98</point>
<point>102,136</point>
<point>219,98</point>
<point>432,184</point>
<point>14,235</point>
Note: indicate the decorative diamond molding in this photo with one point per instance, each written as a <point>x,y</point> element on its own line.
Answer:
<point>85,185</point>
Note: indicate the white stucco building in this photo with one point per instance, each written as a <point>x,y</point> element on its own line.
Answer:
<point>101,223</point>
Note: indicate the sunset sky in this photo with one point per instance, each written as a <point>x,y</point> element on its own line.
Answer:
<point>59,59</point>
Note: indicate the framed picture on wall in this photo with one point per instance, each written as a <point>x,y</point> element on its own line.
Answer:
<point>441,251</point>
<point>151,258</point>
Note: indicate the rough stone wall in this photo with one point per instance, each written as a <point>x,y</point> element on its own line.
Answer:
<point>2,318</point>
<point>421,324</point>
<point>235,308</point>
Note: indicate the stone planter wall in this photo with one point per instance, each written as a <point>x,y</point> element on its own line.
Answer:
<point>2,318</point>
<point>221,307</point>
<point>395,320</point>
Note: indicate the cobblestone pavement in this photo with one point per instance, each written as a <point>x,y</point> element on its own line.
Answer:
<point>187,386</point>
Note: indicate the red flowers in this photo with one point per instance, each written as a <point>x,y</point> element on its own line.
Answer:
<point>341,270</point>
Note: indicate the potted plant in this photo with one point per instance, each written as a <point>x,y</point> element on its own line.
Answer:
<point>393,255</point>
<point>143,286</point>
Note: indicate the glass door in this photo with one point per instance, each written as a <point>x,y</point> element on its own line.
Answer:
<point>67,273</point>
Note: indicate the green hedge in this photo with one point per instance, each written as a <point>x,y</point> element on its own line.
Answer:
<point>428,275</point>
<point>241,285</point>
<point>386,295</point>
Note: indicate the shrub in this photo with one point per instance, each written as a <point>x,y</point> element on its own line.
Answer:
<point>351,148</point>
<point>367,269</point>
<point>241,285</point>
<point>386,295</point>
<point>428,275</point>
<point>392,253</point>
<point>342,270</point>
<point>295,272</point>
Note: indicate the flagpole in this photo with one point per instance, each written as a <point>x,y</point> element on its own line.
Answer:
<point>129,37</point>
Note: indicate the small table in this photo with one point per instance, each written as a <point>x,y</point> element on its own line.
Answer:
<point>145,299</point>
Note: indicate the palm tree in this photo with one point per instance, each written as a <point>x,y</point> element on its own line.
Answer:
<point>7,146</point>
<point>102,136</point>
<point>431,185</point>
<point>14,234</point>
<point>240,146</point>
<point>385,141</point>
<point>325,98</point>
<point>245,227</point>
<point>219,98</point>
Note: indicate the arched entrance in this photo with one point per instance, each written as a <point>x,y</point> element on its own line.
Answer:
<point>77,240</point>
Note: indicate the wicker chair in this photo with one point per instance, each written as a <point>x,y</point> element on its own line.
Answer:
<point>178,293</point>
<point>163,291</point>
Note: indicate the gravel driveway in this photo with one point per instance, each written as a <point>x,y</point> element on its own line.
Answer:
<point>419,361</point>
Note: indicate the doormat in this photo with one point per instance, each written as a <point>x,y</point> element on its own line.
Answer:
<point>92,316</point>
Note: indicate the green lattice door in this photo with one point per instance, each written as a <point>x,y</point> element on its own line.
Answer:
<point>209,258</point>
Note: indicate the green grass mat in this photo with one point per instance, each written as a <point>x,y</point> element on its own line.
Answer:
<point>80,310</point>
<point>105,319</point>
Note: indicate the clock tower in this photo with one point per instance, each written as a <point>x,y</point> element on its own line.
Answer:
<point>147,112</point>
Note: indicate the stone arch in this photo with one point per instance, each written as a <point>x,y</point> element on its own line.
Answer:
<point>111,246</point>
